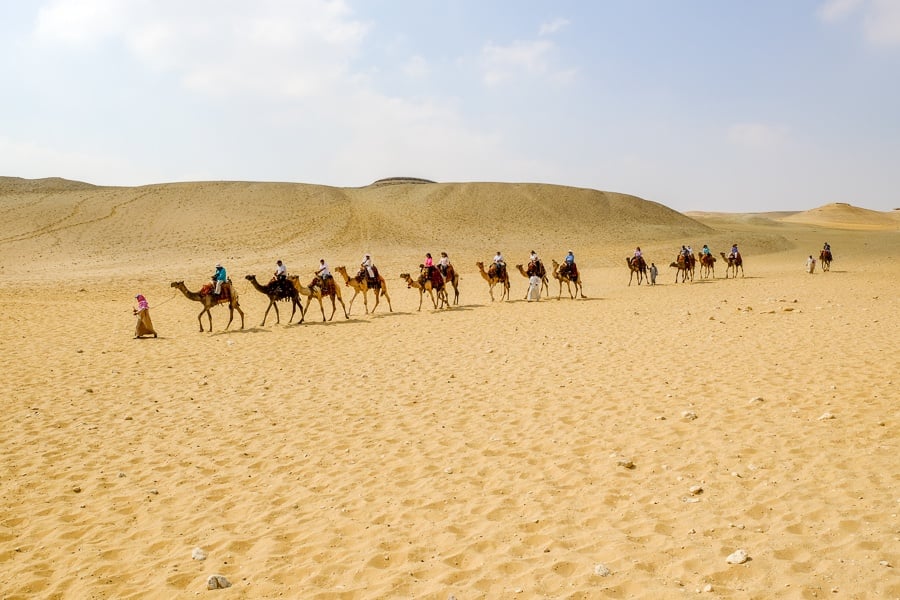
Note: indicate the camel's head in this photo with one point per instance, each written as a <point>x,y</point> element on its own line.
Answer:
<point>176,284</point>
<point>250,277</point>
<point>673,264</point>
<point>480,265</point>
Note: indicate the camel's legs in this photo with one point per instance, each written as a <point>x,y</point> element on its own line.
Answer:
<point>200,318</point>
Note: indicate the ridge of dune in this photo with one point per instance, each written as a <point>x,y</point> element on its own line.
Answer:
<point>840,215</point>
<point>56,221</point>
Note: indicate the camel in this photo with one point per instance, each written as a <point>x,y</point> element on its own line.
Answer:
<point>636,265</point>
<point>275,294</point>
<point>361,285</point>
<point>452,277</point>
<point>208,300</point>
<point>685,266</point>
<point>568,279</point>
<point>824,260</point>
<point>493,278</point>
<point>316,292</point>
<point>425,284</point>
<point>545,283</point>
<point>733,263</point>
<point>707,263</point>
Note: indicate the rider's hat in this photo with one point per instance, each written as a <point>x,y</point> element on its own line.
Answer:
<point>218,265</point>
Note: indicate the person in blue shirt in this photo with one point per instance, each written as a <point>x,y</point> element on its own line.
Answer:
<point>219,277</point>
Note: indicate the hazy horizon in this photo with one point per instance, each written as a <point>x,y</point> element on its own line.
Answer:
<point>726,107</point>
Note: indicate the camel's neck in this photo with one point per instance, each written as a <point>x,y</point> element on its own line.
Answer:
<point>256,285</point>
<point>189,294</point>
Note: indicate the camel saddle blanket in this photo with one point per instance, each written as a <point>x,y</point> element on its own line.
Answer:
<point>568,271</point>
<point>225,296</point>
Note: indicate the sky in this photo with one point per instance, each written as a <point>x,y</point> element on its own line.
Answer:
<point>710,105</point>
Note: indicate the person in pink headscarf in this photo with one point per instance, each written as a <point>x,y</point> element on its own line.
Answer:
<point>144,325</point>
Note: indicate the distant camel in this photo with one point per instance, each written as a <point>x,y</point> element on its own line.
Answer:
<point>733,263</point>
<point>277,293</point>
<point>636,265</point>
<point>824,259</point>
<point>683,265</point>
<point>424,284</point>
<point>545,283</point>
<point>208,300</point>
<point>452,278</point>
<point>707,263</point>
<point>316,292</point>
<point>361,285</point>
<point>493,278</point>
<point>568,280</point>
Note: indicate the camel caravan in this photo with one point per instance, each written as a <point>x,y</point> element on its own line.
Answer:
<point>434,279</point>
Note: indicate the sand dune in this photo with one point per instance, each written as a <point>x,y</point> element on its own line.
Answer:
<point>845,216</point>
<point>492,450</point>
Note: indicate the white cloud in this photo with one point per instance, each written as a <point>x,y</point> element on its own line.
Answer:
<point>881,24</point>
<point>553,26</point>
<point>416,67</point>
<point>880,19</point>
<point>279,47</point>
<point>835,10</point>
<point>501,63</point>
<point>757,135</point>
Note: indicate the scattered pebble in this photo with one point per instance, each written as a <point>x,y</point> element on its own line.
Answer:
<point>217,582</point>
<point>198,554</point>
<point>695,490</point>
<point>756,399</point>
<point>885,563</point>
<point>625,463</point>
<point>448,470</point>
<point>601,570</point>
<point>708,587</point>
<point>738,557</point>
<point>77,489</point>
<point>826,416</point>
<point>689,415</point>
<point>154,491</point>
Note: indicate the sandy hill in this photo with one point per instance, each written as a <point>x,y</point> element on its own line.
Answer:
<point>75,224</point>
<point>839,215</point>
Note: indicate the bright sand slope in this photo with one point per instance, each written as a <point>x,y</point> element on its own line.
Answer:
<point>471,452</point>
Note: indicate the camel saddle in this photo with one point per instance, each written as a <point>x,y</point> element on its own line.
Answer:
<point>374,283</point>
<point>326,285</point>
<point>224,296</point>
<point>569,271</point>
<point>825,255</point>
<point>536,267</point>
<point>437,280</point>
<point>498,271</point>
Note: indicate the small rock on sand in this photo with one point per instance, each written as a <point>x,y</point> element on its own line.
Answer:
<point>738,557</point>
<point>217,582</point>
<point>602,570</point>
<point>198,554</point>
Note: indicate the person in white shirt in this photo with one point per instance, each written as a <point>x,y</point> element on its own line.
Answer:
<point>367,265</point>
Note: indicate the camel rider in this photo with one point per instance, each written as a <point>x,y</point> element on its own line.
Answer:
<point>499,263</point>
<point>569,266</point>
<point>639,257</point>
<point>827,249</point>
<point>323,272</point>
<point>443,263</point>
<point>367,266</point>
<point>429,264</point>
<point>280,275</point>
<point>685,252</point>
<point>705,250</point>
<point>219,277</point>
<point>734,251</point>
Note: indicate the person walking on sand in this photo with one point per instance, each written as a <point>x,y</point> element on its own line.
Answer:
<point>653,273</point>
<point>144,325</point>
<point>810,264</point>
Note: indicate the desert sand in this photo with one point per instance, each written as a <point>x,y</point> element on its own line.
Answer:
<point>618,446</point>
